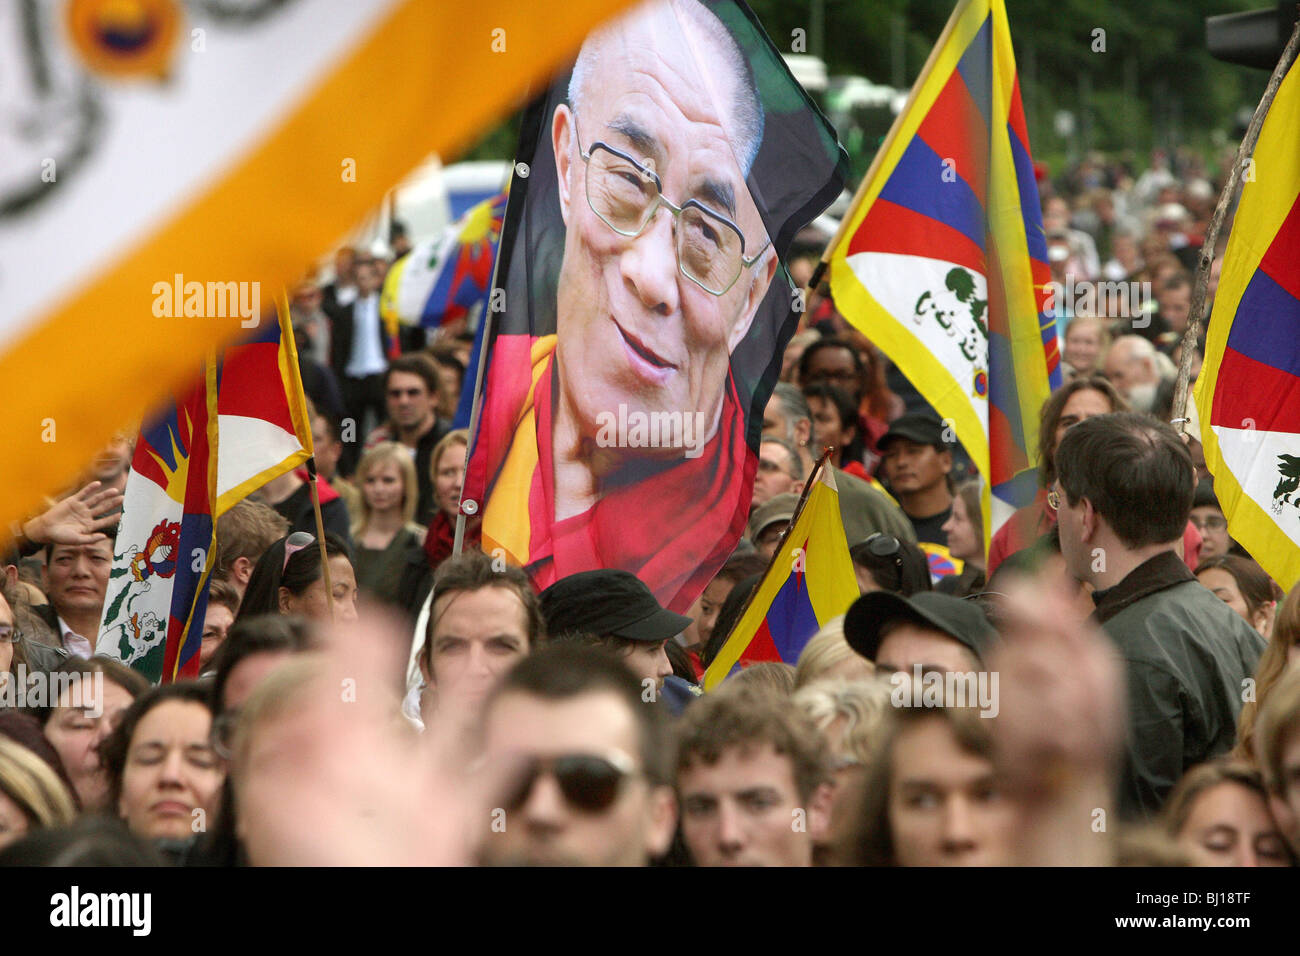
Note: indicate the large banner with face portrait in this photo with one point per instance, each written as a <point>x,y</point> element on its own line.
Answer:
<point>644,306</point>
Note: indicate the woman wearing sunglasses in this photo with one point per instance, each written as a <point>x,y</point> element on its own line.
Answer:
<point>289,579</point>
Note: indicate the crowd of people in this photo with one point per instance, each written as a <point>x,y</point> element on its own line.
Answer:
<point>1114,683</point>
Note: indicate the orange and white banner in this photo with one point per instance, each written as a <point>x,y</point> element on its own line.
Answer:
<point>169,165</point>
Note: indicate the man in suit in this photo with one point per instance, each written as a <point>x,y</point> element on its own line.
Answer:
<point>339,295</point>
<point>359,357</point>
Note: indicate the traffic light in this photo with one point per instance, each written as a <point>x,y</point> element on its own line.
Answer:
<point>1253,39</point>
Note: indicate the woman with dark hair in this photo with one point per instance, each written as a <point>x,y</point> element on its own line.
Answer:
<point>965,531</point>
<point>289,579</point>
<point>164,776</point>
<point>1242,585</point>
<point>1076,400</point>
<point>884,563</point>
<point>709,604</point>
<point>728,616</point>
<point>93,695</point>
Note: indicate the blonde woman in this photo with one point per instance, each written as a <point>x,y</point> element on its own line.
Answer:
<point>1282,655</point>
<point>31,794</point>
<point>385,532</point>
<point>851,715</point>
<point>827,654</point>
<point>447,472</point>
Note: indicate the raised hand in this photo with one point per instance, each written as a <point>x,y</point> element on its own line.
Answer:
<point>79,518</point>
<point>338,778</point>
<point>1062,695</point>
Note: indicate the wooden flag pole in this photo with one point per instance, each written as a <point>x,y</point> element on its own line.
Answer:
<point>320,534</point>
<point>1200,289</point>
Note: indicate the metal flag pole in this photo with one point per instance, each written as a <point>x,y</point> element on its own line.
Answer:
<point>1200,289</point>
<point>468,506</point>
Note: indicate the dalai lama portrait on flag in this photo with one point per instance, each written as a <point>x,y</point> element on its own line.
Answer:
<point>666,259</point>
<point>659,265</point>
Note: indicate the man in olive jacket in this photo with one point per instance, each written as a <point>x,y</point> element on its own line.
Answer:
<point>1125,487</point>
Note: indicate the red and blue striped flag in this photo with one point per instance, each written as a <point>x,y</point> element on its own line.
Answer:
<point>1248,392</point>
<point>447,280</point>
<point>241,424</point>
<point>810,581</point>
<point>943,262</point>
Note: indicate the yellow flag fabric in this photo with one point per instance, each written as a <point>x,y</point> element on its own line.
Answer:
<point>1248,392</point>
<point>810,581</point>
<point>943,262</point>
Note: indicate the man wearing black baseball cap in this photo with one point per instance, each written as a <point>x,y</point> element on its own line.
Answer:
<point>934,631</point>
<point>917,459</point>
<point>616,610</point>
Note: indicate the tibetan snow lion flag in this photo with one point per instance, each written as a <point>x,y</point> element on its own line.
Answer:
<point>943,261</point>
<point>810,581</point>
<point>1248,392</point>
<point>445,281</point>
<point>658,187</point>
<point>225,142</point>
<point>242,423</point>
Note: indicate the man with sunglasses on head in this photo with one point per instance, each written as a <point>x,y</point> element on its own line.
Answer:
<point>584,765</point>
<point>666,262</point>
<point>884,563</point>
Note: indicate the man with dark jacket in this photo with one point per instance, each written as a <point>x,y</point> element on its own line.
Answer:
<point>1123,493</point>
<point>359,356</point>
<point>863,509</point>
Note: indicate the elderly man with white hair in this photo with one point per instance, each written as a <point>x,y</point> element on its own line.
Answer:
<point>1134,367</point>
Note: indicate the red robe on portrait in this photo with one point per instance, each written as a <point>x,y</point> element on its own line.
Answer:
<point>672,524</point>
